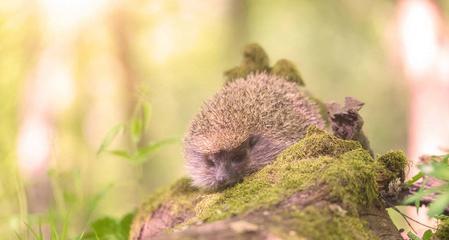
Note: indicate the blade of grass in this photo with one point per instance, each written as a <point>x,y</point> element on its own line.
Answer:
<point>414,179</point>
<point>121,153</point>
<point>142,155</point>
<point>94,202</point>
<point>65,225</point>
<point>30,229</point>
<point>110,136</point>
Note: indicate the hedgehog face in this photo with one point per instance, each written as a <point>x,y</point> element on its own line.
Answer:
<point>228,167</point>
<point>221,169</point>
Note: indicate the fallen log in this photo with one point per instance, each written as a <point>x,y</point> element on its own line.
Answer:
<point>322,187</point>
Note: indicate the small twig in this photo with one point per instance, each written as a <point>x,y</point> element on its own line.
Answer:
<point>407,217</point>
<point>397,199</point>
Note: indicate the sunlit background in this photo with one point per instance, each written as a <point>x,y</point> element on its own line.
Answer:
<point>71,71</point>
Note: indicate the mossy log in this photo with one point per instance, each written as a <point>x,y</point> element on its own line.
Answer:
<point>319,188</point>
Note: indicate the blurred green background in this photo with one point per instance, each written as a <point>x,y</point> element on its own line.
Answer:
<point>79,68</point>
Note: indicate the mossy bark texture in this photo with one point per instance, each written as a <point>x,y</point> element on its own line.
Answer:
<point>320,188</point>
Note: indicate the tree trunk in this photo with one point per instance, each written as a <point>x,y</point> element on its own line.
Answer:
<point>320,188</point>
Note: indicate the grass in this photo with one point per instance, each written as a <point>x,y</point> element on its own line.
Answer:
<point>75,200</point>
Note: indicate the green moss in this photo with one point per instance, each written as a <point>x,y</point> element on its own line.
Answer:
<point>318,143</point>
<point>181,193</point>
<point>442,230</point>
<point>264,188</point>
<point>352,179</point>
<point>180,196</point>
<point>321,223</point>
<point>319,159</point>
<point>395,162</point>
<point>255,59</point>
<point>254,54</point>
<point>287,70</point>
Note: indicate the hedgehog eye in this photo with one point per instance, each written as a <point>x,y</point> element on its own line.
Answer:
<point>252,140</point>
<point>239,156</point>
<point>238,159</point>
<point>210,162</point>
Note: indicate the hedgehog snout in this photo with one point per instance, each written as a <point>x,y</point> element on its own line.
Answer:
<point>221,178</point>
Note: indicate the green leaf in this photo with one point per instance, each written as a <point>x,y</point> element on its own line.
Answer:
<point>137,129</point>
<point>105,228</point>
<point>439,205</point>
<point>438,170</point>
<point>125,225</point>
<point>146,114</point>
<point>109,138</point>
<point>110,228</point>
<point>421,189</point>
<point>422,193</point>
<point>139,122</point>
<point>419,195</point>
<point>417,205</point>
<point>121,153</point>
<point>415,179</point>
<point>412,236</point>
<point>142,154</point>
<point>427,235</point>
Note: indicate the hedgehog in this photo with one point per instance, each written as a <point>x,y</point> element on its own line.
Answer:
<point>244,126</point>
